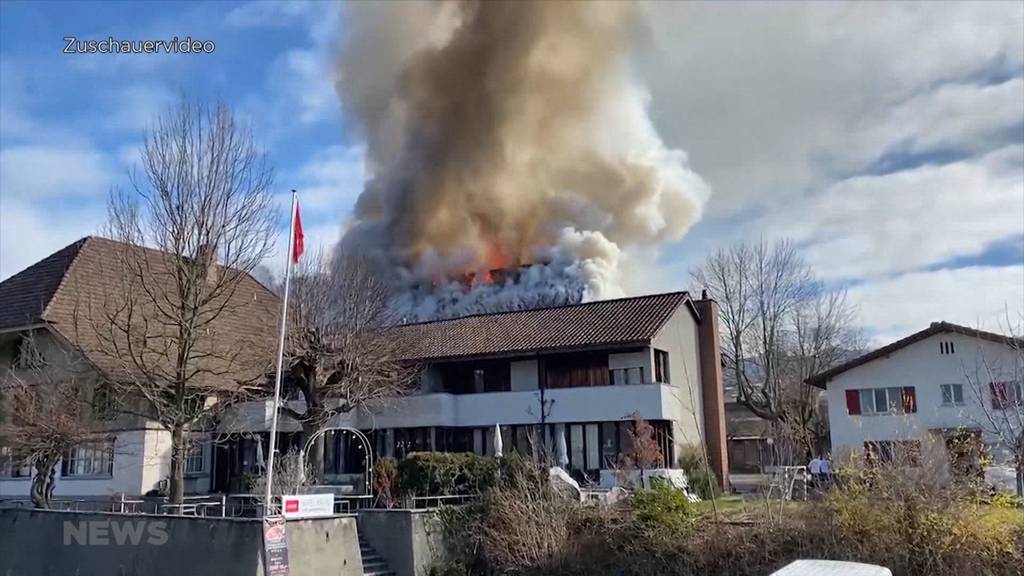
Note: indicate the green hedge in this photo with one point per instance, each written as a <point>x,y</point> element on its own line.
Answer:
<point>444,474</point>
<point>465,473</point>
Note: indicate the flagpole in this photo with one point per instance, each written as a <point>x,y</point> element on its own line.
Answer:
<point>280,357</point>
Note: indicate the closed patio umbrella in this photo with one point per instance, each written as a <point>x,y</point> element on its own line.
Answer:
<point>563,450</point>
<point>497,442</point>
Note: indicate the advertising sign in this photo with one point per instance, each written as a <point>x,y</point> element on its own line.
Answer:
<point>308,506</point>
<point>275,546</point>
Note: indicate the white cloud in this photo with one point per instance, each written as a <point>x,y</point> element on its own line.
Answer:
<point>269,13</point>
<point>907,220</point>
<point>331,181</point>
<point>136,107</point>
<point>31,229</point>
<point>300,81</point>
<point>983,297</point>
<point>46,172</point>
<point>773,101</point>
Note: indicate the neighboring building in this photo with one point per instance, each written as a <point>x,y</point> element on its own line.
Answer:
<point>924,394</point>
<point>53,304</point>
<point>748,440</point>
<point>579,370</point>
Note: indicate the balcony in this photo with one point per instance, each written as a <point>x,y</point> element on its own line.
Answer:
<point>590,404</point>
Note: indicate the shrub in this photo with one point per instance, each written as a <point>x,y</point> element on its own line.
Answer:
<point>519,525</point>
<point>886,516</point>
<point>663,512</point>
<point>385,482</point>
<point>701,479</point>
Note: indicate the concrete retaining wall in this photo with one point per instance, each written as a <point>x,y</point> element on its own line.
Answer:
<point>49,543</point>
<point>410,540</point>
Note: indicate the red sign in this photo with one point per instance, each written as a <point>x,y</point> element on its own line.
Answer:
<point>291,505</point>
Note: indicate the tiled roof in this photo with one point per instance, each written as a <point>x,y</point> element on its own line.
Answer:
<point>821,380</point>
<point>603,323</point>
<point>24,296</point>
<point>75,289</point>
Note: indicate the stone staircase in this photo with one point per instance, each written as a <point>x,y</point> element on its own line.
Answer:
<point>373,563</point>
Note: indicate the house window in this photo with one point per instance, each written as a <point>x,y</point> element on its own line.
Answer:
<point>26,354</point>
<point>195,458</point>
<point>893,400</point>
<point>622,376</point>
<point>11,467</point>
<point>89,459</point>
<point>952,394</point>
<point>946,348</point>
<point>1006,394</point>
<point>661,373</point>
<point>103,402</point>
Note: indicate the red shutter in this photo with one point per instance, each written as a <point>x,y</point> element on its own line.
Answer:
<point>909,400</point>
<point>853,402</point>
<point>999,398</point>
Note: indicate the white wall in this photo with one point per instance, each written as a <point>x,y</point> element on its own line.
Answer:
<point>638,359</point>
<point>131,472</point>
<point>922,366</point>
<point>679,337</point>
<point>599,403</point>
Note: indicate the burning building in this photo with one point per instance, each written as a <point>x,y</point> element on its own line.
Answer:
<point>506,135</point>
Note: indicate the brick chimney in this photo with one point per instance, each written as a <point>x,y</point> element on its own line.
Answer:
<point>712,395</point>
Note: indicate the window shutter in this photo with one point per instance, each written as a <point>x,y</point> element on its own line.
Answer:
<point>853,402</point>
<point>909,400</point>
<point>999,397</point>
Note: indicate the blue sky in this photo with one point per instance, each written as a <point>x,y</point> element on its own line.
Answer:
<point>889,149</point>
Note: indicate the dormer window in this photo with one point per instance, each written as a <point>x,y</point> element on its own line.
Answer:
<point>946,347</point>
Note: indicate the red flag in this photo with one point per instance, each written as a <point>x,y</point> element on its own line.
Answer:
<point>297,236</point>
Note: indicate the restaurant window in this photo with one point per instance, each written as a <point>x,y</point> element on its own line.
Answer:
<point>593,447</point>
<point>661,372</point>
<point>621,376</point>
<point>476,377</point>
<point>576,370</point>
<point>609,444</point>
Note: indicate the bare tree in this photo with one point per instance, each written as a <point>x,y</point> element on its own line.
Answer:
<point>47,413</point>
<point>996,382</point>
<point>779,326</point>
<point>644,452</point>
<point>821,335</point>
<point>178,331</point>
<point>339,354</point>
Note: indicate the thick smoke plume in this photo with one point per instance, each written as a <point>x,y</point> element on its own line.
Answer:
<point>506,135</point>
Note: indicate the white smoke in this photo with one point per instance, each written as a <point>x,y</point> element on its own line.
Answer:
<point>506,135</point>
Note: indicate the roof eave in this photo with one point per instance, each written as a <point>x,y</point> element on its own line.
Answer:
<point>532,352</point>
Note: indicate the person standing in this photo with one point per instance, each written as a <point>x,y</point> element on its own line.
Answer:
<point>825,469</point>
<point>814,469</point>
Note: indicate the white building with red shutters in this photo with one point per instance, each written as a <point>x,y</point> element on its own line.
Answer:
<point>919,394</point>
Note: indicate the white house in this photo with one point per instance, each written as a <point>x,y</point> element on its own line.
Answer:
<point>926,393</point>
